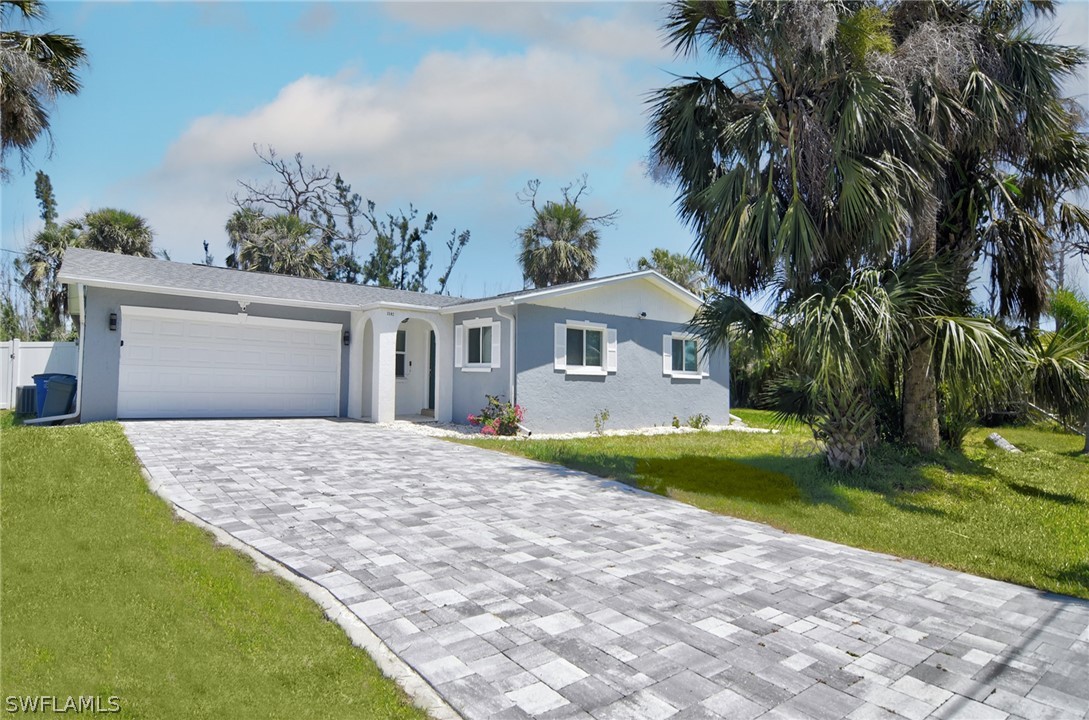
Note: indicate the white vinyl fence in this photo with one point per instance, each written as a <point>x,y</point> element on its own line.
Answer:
<point>20,361</point>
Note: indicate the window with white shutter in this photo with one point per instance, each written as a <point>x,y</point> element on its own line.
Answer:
<point>585,348</point>
<point>683,356</point>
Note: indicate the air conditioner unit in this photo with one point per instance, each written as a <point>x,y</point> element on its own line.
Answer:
<point>25,400</point>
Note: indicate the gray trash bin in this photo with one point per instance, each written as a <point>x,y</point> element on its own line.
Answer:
<point>59,394</point>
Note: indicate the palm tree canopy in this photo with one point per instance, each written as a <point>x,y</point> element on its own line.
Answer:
<point>799,162</point>
<point>833,121</point>
<point>116,231</point>
<point>34,69</point>
<point>986,85</point>
<point>681,269</point>
<point>41,264</point>
<point>283,243</point>
<point>843,342</point>
<point>559,246</point>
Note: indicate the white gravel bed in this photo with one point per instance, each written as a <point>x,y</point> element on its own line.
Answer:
<point>447,430</point>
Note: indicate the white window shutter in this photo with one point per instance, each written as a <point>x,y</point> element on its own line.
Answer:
<point>459,345</point>
<point>704,356</point>
<point>610,355</point>
<point>497,347</point>
<point>667,354</point>
<point>560,362</point>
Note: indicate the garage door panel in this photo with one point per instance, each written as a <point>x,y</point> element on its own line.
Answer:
<point>276,360</point>
<point>326,341</point>
<point>196,365</point>
<point>139,326</point>
<point>171,327</point>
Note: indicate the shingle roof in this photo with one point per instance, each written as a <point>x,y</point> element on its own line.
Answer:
<point>91,266</point>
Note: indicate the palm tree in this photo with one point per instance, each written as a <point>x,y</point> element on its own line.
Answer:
<point>841,342</point>
<point>34,70</point>
<point>848,133</point>
<point>987,88</point>
<point>1058,368</point>
<point>805,164</point>
<point>108,230</point>
<point>242,225</point>
<point>116,231</point>
<point>281,243</point>
<point>40,267</point>
<point>801,164</point>
<point>681,269</point>
<point>560,244</point>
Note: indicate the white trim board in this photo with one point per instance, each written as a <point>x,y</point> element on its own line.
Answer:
<point>241,318</point>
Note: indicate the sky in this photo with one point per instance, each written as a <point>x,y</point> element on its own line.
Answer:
<point>448,106</point>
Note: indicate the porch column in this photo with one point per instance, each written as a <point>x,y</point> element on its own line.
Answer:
<point>444,362</point>
<point>356,365</point>
<point>383,369</point>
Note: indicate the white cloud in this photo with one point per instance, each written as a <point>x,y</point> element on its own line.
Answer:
<point>623,31</point>
<point>318,18</point>
<point>459,133</point>
<point>455,115</point>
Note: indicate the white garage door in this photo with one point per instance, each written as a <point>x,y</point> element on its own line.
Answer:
<point>178,363</point>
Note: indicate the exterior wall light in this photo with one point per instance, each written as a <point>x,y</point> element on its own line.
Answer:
<point>347,338</point>
<point>113,322</point>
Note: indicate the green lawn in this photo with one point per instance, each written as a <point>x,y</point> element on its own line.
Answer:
<point>1022,518</point>
<point>103,592</point>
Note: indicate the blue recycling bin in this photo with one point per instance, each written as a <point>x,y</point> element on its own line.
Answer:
<point>42,388</point>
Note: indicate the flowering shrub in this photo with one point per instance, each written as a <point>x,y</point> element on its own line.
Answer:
<point>498,418</point>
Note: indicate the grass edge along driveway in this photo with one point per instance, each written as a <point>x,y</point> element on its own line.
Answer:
<point>1019,518</point>
<point>105,592</point>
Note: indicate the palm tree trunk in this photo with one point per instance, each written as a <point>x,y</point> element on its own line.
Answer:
<point>847,429</point>
<point>920,400</point>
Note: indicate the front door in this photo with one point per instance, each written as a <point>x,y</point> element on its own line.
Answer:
<point>431,372</point>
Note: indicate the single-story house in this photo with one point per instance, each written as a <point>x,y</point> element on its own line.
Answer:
<point>162,339</point>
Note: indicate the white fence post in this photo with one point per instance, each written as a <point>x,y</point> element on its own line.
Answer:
<point>7,379</point>
<point>14,371</point>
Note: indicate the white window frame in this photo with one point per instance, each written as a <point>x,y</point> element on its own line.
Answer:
<point>701,370</point>
<point>461,345</point>
<point>608,348</point>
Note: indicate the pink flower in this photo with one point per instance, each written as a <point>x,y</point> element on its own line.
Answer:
<point>487,430</point>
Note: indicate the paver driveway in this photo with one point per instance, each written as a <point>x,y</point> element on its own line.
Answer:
<point>522,589</point>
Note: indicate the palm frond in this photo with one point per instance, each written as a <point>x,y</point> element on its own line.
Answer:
<point>724,317</point>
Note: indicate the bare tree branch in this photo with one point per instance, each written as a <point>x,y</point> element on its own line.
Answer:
<point>528,195</point>
<point>299,188</point>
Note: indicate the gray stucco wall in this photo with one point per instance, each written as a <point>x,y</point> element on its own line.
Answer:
<point>637,395</point>
<point>470,387</point>
<point>102,348</point>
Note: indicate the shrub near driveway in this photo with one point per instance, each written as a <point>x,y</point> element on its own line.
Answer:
<point>1022,518</point>
<point>104,592</point>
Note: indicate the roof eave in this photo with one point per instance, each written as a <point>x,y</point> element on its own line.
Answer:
<point>210,294</point>
<point>665,283</point>
<point>385,304</point>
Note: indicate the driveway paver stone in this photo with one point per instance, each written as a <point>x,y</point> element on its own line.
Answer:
<point>520,589</point>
